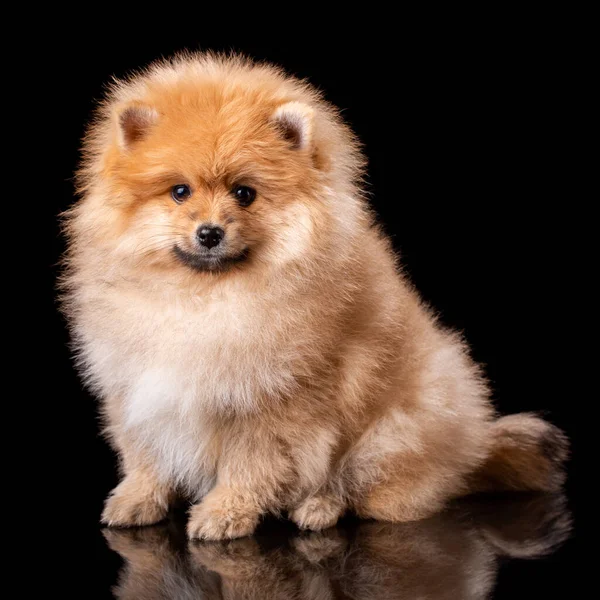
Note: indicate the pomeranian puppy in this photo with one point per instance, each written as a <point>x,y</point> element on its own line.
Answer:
<point>246,326</point>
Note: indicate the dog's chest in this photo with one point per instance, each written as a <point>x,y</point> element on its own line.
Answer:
<point>215,355</point>
<point>173,367</point>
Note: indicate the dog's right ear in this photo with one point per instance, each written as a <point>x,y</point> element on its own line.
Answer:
<point>134,122</point>
<point>294,120</point>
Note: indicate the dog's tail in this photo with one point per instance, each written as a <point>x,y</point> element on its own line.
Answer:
<point>527,454</point>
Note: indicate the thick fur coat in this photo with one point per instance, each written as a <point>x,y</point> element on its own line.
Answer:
<point>291,368</point>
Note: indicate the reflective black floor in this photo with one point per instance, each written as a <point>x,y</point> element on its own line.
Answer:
<point>514,547</point>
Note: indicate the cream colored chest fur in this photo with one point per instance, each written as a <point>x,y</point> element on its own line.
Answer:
<point>172,364</point>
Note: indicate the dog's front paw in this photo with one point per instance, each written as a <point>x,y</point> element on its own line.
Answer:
<point>317,512</point>
<point>135,502</point>
<point>222,515</point>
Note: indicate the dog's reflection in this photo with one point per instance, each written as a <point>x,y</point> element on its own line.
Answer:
<point>452,556</point>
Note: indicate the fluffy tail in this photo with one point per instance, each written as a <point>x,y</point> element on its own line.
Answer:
<point>527,454</point>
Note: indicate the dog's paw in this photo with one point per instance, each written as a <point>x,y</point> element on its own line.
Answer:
<point>134,502</point>
<point>317,512</point>
<point>222,515</point>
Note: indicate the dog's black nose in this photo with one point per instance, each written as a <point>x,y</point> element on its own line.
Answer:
<point>210,236</point>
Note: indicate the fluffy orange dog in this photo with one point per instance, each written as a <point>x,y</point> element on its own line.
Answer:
<point>246,326</point>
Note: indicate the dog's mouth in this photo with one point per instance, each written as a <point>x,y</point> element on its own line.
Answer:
<point>209,262</point>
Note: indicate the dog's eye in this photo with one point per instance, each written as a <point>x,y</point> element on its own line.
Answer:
<point>180,193</point>
<point>244,195</point>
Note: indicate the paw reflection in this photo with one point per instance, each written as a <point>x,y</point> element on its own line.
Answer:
<point>318,546</point>
<point>453,555</point>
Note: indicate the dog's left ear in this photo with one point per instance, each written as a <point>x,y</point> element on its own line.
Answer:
<point>295,123</point>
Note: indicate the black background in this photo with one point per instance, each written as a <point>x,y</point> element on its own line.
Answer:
<point>468,135</point>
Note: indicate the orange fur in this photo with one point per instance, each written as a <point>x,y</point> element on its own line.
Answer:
<point>306,376</point>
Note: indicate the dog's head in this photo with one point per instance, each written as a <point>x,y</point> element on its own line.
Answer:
<point>212,164</point>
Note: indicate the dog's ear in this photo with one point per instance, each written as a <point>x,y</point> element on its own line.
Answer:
<point>134,122</point>
<point>294,120</point>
